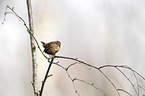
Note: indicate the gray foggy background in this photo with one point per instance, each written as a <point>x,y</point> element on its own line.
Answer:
<point>98,32</point>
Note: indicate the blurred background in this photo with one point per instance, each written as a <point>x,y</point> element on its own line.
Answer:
<point>98,32</point>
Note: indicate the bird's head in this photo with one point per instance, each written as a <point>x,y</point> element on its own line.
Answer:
<point>58,43</point>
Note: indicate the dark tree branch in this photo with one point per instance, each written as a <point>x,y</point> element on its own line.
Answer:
<point>46,76</point>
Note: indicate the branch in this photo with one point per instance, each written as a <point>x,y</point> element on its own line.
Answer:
<point>66,69</point>
<point>32,35</point>
<point>46,76</point>
<point>124,91</point>
<point>33,48</point>
<point>123,66</point>
<point>76,59</point>
<point>127,79</point>
<point>91,84</point>
<point>105,66</point>
<point>72,80</point>
<point>32,40</point>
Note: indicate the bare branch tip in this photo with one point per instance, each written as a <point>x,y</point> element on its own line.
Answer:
<point>49,75</point>
<point>12,8</point>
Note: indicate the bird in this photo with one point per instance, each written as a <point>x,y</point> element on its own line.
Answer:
<point>51,48</point>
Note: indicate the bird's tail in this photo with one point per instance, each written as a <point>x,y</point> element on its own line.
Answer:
<point>43,43</point>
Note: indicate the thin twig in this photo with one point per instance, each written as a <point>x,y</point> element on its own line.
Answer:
<point>65,69</point>
<point>137,83</point>
<point>110,81</point>
<point>127,79</point>
<point>76,59</point>
<point>124,91</point>
<point>73,83</point>
<point>142,87</point>
<point>71,65</point>
<point>91,84</point>
<point>123,66</point>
